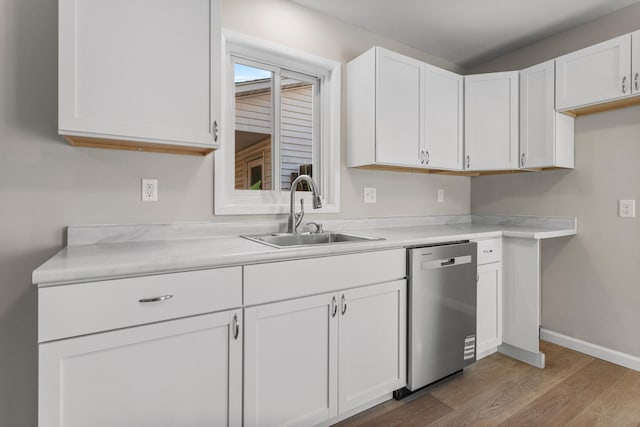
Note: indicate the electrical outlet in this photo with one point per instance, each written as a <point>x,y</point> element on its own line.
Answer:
<point>440,195</point>
<point>369,195</point>
<point>149,190</point>
<point>627,208</point>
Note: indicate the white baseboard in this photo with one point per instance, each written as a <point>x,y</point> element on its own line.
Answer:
<point>613,356</point>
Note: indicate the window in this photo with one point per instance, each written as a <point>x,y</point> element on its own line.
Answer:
<point>266,96</point>
<point>282,115</point>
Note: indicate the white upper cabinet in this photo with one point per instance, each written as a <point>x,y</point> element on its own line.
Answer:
<point>398,109</point>
<point>595,74</point>
<point>403,112</point>
<point>491,121</point>
<point>443,119</point>
<point>384,108</point>
<point>143,73</point>
<point>635,62</point>
<point>546,137</point>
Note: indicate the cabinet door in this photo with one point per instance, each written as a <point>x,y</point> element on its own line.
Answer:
<point>399,109</point>
<point>489,310</point>
<point>291,362</point>
<point>372,343</point>
<point>595,74</point>
<point>182,372</point>
<point>635,58</point>
<point>141,70</point>
<point>443,129</point>
<point>537,111</point>
<point>491,121</point>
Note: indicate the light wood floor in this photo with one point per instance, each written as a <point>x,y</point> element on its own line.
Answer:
<point>573,390</point>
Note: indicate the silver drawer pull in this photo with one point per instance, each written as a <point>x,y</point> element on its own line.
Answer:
<point>156,299</point>
<point>488,251</point>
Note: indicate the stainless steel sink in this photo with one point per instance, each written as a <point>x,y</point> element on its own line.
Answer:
<point>286,240</point>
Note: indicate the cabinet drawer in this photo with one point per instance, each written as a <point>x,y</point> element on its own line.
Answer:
<point>293,279</point>
<point>71,310</point>
<point>489,250</point>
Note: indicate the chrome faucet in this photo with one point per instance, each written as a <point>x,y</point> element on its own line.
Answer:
<point>296,218</point>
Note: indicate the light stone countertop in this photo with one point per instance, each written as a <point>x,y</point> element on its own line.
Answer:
<point>117,256</point>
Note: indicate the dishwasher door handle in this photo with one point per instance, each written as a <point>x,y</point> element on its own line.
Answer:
<point>447,262</point>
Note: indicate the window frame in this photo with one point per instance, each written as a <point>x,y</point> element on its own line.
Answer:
<point>228,200</point>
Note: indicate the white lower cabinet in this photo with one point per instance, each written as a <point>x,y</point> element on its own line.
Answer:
<point>489,304</point>
<point>372,330</point>
<point>185,372</point>
<point>489,323</point>
<point>310,359</point>
<point>291,362</point>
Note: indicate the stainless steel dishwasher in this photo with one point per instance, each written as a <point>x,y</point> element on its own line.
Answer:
<point>442,312</point>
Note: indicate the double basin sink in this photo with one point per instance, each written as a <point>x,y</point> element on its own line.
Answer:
<point>286,240</point>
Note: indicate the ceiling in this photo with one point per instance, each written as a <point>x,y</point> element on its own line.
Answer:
<point>466,32</point>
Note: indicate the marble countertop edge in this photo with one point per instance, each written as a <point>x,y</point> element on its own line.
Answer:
<point>108,261</point>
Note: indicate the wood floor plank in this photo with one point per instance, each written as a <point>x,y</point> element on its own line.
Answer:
<point>485,374</point>
<point>417,413</point>
<point>574,389</point>
<point>618,406</point>
<point>495,405</point>
<point>563,402</point>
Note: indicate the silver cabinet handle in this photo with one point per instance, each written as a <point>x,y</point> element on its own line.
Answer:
<point>344,305</point>
<point>334,307</point>
<point>426,160</point>
<point>236,327</point>
<point>487,251</point>
<point>214,130</point>
<point>636,82</point>
<point>156,299</point>
<point>522,159</point>
<point>624,84</point>
<point>468,161</point>
<point>422,157</point>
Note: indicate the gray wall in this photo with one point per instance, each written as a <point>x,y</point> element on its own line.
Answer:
<point>589,282</point>
<point>46,184</point>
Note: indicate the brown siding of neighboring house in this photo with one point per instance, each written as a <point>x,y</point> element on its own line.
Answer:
<point>260,149</point>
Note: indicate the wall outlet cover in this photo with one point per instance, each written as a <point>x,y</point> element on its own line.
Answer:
<point>627,208</point>
<point>369,195</point>
<point>440,195</point>
<point>149,190</point>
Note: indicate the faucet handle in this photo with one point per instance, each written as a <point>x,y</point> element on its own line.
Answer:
<point>319,229</point>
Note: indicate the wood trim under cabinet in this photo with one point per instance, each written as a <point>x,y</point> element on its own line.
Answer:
<point>606,106</point>
<point>113,144</point>
<point>454,173</point>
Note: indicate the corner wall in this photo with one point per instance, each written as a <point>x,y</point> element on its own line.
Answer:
<point>590,285</point>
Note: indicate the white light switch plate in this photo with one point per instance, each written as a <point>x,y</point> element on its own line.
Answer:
<point>627,208</point>
<point>440,196</point>
<point>369,195</point>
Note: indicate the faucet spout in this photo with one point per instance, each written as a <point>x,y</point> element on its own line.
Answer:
<point>296,218</point>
